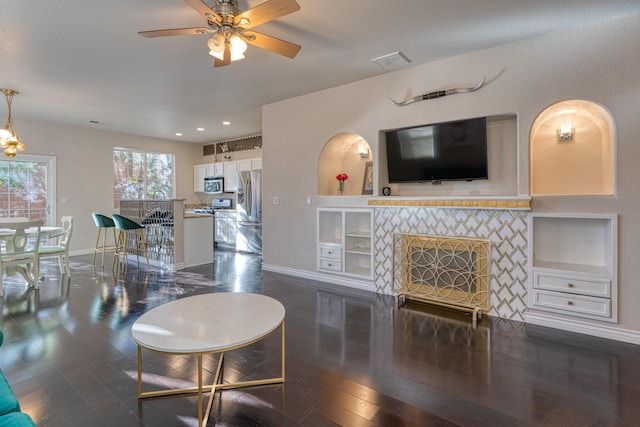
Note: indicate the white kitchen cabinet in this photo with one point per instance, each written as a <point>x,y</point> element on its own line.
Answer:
<point>229,173</point>
<point>250,164</point>
<point>214,169</point>
<point>226,228</point>
<point>573,260</point>
<point>227,170</point>
<point>243,165</point>
<point>199,172</point>
<point>345,241</point>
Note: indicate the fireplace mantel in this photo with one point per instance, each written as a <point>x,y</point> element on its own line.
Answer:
<point>502,203</point>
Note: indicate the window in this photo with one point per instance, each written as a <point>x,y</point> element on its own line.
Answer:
<point>141,175</point>
<point>26,188</point>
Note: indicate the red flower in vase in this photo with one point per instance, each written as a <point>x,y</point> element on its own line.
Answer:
<point>342,177</point>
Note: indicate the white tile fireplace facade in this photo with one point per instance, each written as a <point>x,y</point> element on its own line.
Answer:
<point>506,229</point>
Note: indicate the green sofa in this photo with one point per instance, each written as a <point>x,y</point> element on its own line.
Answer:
<point>10,414</point>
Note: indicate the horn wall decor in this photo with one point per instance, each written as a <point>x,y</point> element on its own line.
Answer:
<point>440,94</point>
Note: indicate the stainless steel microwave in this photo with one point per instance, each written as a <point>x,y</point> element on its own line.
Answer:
<point>214,185</point>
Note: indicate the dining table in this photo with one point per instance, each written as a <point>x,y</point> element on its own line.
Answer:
<point>46,232</point>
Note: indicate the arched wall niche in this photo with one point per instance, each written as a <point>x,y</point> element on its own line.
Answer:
<point>580,164</point>
<point>348,153</point>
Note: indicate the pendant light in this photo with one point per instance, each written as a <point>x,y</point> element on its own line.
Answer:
<point>9,141</point>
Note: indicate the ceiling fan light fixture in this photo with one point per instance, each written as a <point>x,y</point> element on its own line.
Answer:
<point>227,23</point>
<point>216,43</point>
<point>238,48</point>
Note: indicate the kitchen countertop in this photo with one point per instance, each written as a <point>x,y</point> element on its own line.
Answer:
<point>198,215</point>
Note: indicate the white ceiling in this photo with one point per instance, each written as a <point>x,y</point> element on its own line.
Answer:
<point>76,61</point>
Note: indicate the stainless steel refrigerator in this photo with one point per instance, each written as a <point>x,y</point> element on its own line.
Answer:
<point>249,211</point>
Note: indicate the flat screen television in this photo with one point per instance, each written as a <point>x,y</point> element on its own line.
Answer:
<point>437,152</point>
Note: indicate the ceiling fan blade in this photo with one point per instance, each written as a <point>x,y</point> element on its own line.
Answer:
<point>226,57</point>
<point>270,43</point>
<point>265,12</point>
<point>175,32</point>
<point>203,9</point>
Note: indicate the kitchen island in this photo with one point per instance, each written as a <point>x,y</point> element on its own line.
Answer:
<point>198,239</point>
<point>174,240</point>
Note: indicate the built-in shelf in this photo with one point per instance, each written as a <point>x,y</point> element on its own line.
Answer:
<point>365,234</point>
<point>568,266</point>
<point>573,265</point>
<point>345,242</point>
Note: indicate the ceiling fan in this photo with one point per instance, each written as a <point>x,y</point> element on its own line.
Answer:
<point>231,29</point>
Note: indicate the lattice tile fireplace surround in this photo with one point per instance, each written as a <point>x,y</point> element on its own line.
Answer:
<point>504,228</point>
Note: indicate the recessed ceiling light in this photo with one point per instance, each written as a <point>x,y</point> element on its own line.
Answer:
<point>200,129</point>
<point>178,134</point>
<point>226,123</point>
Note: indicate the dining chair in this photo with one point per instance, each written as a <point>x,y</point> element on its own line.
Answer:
<point>103,223</point>
<point>20,251</point>
<point>125,226</point>
<point>61,249</point>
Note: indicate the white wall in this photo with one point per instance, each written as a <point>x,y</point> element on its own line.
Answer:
<point>84,163</point>
<point>596,62</point>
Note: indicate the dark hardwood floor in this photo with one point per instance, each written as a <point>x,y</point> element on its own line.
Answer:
<point>352,358</point>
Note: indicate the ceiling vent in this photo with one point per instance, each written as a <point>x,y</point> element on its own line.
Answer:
<point>392,60</point>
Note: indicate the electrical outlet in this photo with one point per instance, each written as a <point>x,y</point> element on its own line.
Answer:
<point>308,200</point>
<point>276,200</point>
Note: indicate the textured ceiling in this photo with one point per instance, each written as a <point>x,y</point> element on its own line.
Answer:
<point>80,61</point>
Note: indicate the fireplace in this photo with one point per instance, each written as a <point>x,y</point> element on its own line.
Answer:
<point>447,271</point>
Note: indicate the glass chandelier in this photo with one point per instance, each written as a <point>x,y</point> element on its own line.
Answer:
<point>9,141</point>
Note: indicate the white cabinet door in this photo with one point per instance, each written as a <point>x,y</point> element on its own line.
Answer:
<point>230,169</point>
<point>211,169</point>
<point>218,169</point>
<point>199,172</point>
<point>256,164</point>
<point>244,165</point>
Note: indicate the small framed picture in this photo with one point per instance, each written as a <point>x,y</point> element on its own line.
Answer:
<point>367,182</point>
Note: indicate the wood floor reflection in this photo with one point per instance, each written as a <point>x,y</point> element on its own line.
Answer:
<point>352,358</point>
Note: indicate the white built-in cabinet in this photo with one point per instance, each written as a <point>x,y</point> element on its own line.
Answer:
<point>225,169</point>
<point>573,264</point>
<point>345,242</point>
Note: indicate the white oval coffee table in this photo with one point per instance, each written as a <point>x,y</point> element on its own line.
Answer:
<point>208,324</point>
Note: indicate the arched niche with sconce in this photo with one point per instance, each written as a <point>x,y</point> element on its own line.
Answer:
<point>346,153</point>
<point>572,150</point>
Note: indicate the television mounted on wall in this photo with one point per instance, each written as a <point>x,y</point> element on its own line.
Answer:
<point>449,151</point>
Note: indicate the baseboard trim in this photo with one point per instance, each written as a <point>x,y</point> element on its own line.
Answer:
<point>85,252</point>
<point>327,278</point>
<point>608,332</point>
<point>131,258</point>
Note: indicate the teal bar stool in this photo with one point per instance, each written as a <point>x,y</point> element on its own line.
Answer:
<point>103,223</point>
<point>125,226</point>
